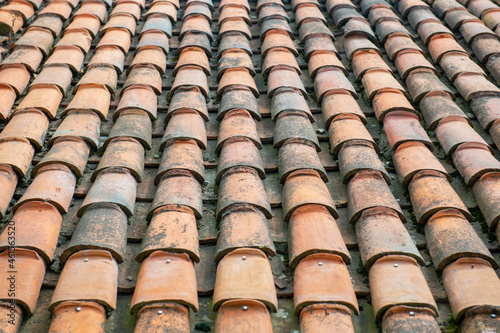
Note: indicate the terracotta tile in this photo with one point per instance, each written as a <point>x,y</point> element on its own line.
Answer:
<point>154,38</point>
<point>113,185</point>
<point>178,187</point>
<point>45,97</point>
<point>443,7</point>
<point>320,43</point>
<point>377,80</point>
<point>234,41</point>
<point>409,60</point>
<point>387,101</point>
<point>479,7</point>
<point>406,318</point>
<point>430,192</point>
<point>486,194</point>
<point>335,104</point>
<point>314,230</point>
<point>189,57</point>
<point>150,56</point>
<point>345,128</point>
<point>402,126</point>
<point>299,154</point>
<point>7,98</point>
<point>197,24</point>
<point>326,318</point>
<point>178,128</point>
<point>358,155</point>
<point>52,23</point>
<point>24,8</point>
<point>493,66</point>
<point>308,11</point>
<point>242,185</point>
<point>421,15</point>
<point>379,232</point>
<point>123,152</point>
<point>398,280</point>
<point>430,29</point>
<point>450,236</point>
<point>472,30</point>
<point>8,180</point>
<point>70,151</point>
<point>342,15</point>
<point>244,227</point>
<point>90,317</point>
<point>83,21</point>
<point>473,160</point>
<point>173,230</point>
<point>234,26</point>
<point>239,151</point>
<point>239,315</point>
<point>294,125</point>
<point>323,278</point>
<point>187,97</point>
<point>237,97</point>
<point>453,131</point>
<point>381,13</point>
<point>38,37</point>
<point>421,82</point>
<point>336,4</point>
<point>321,59</point>
<point>173,316</point>
<point>277,38</point>
<point>103,226</point>
<point>191,76</point>
<point>54,184</point>
<point>443,44</point>
<point>94,279</point>
<point>8,324</point>
<point>359,27</point>
<point>59,8</point>
<point>17,152</point>
<point>245,273</point>
<point>275,25</point>
<point>287,99</point>
<point>274,11</point>
<point>297,3</point>
<point>96,8</point>
<point>262,3</point>
<point>162,9</point>
<point>368,189</point>
<point>278,57</point>
<point>142,3</point>
<point>436,106</point>
<point>31,124</point>
<point>29,56</point>
<point>491,18</point>
<point>480,316</point>
<point>128,7</point>
<point>311,29</point>
<point>125,21</point>
<point>413,157</point>
<point>386,29</point>
<point>284,77</point>
<point>31,267</point>
<point>146,74</point>
<point>71,56</point>
<point>456,18</point>
<point>242,3</point>
<point>485,108</point>
<point>56,75</point>
<point>90,96</point>
<point>77,37</point>
<point>102,75</point>
<point>469,84</point>
<point>331,79</point>
<point>117,37</point>
<point>470,282</point>
<point>234,12</point>
<point>195,8</point>
<point>191,39</point>
<point>365,60</point>
<point>182,154</point>
<point>83,123</point>
<point>15,76</point>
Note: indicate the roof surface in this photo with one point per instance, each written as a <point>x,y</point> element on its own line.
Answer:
<point>243,166</point>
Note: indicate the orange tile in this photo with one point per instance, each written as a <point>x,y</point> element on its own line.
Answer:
<point>182,154</point>
<point>45,97</point>
<point>141,97</point>
<point>104,75</point>
<point>358,155</point>
<point>31,124</point>
<point>242,3</point>
<point>166,277</point>
<point>403,318</point>
<point>135,124</point>
<point>410,60</point>
<point>244,227</point>
<point>117,37</point>
<point>313,28</point>
<point>236,97</point>
<point>279,58</point>
<point>69,55</point>
<point>129,7</point>
<point>308,11</point>
<point>237,123</point>
<point>403,126</point>
<point>245,273</point>
<point>420,82</point>
<point>178,128</point>
<point>110,56</point>
<point>277,38</point>
<point>91,96</point>
<point>356,43</point>
<point>55,75</point>
<point>114,185</point>
<point>17,152</point>
<point>443,44</point>
<point>60,8</point>
<point>191,98</point>
<point>272,12</point>
<point>472,30</point>
<point>179,188</point>
<point>123,152</point>
<point>89,275</point>
<point>430,29</point>
<point>274,25</point>
<point>196,24</point>
<point>324,317</point>
<point>195,8</point>
<point>319,43</point>
<point>96,8</point>
<point>193,76</point>
<point>456,18</point>
<point>171,229</point>
<point>11,317</point>
<point>239,151</point>
<point>360,27</point>
<point>430,192</point>
<point>323,278</point>
<point>145,75</point>
<point>234,41</point>
<point>75,316</point>
<point>15,76</point>
<point>321,59</point>
<point>437,106</point>
<point>237,76</point>
<point>195,39</point>
<point>294,125</point>
<point>242,185</point>
<point>469,84</point>
<point>286,99</point>
<point>484,47</point>
<point>38,37</point>
<point>234,12</point>
<point>192,57</point>
<point>163,316</point>
<point>396,43</point>
<point>470,282</point>
<point>387,101</point>
<point>52,23</point>
<point>298,154</point>
<point>331,79</point>
<point>345,128</point>
<point>123,21</point>
<point>385,29</point>
<point>381,13</point>
<point>83,123</point>
<point>487,195</point>
<point>474,160</point>
<point>243,314</point>
<point>22,7</point>
<point>29,56</point>
<point>152,56</point>
<point>453,131</point>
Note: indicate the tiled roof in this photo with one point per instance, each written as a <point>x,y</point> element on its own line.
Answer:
<point>250,166</point>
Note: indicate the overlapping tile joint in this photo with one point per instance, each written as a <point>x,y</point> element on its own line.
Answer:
<point>250,166</point>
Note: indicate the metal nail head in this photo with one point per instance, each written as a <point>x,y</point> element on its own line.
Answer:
<point>160,312</point>
<point>396,265</point>
<point>168,261</point>
<point>245,307</point>
<point>244,258</point>
<point>86,259</point>
<point>412,313</point>
<point>320,263</point>
<point>78,309</point>
<point>493,315</point>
